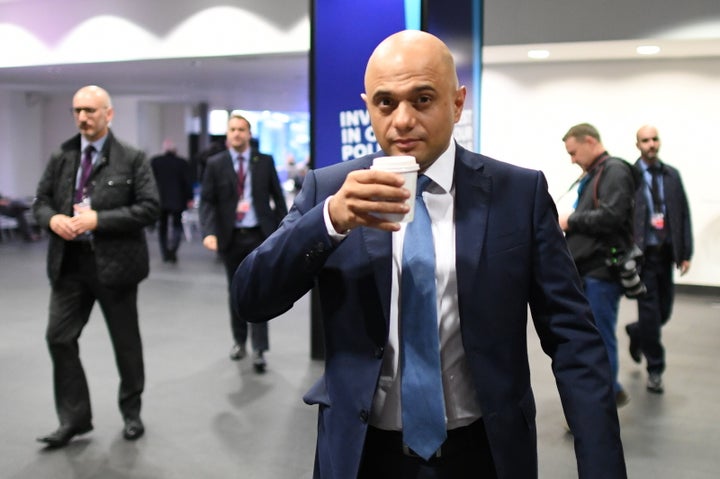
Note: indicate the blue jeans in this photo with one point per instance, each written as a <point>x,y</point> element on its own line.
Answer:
<point>604,297</point>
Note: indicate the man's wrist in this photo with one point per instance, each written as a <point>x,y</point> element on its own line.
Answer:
<point>332,232</point>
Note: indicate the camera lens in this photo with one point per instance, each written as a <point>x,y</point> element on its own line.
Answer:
<point>632,283</point>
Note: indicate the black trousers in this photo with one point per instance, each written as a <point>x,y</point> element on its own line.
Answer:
<point>170,231</point>
<point>464,455</point>
<point>244,240</point>
<point>71,301</point>
<point>655,306</point>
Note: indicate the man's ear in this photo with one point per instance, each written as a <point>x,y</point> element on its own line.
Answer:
<point>459,102</point>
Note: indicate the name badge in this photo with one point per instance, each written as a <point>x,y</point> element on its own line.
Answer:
<point>657,220</point>
<point>243,206</point>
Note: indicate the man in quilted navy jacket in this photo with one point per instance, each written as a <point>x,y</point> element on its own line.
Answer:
<point>95,197</point>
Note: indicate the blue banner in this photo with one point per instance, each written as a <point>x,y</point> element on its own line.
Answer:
<point>459,24</point>
<point>344,34</point>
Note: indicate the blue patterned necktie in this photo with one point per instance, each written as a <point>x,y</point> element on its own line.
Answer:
<point>423,404</point>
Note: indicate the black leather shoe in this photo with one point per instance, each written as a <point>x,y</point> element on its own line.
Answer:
<point>133,429</point>
<point>634,348</point>
<point>238,352</point>
<point>655,384</point>
<point>63,435</point>
<point>259,362</point>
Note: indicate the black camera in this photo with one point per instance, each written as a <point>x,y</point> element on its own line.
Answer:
<point>625,265</point>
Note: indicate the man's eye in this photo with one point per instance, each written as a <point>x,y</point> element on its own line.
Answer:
<point>87,110</point>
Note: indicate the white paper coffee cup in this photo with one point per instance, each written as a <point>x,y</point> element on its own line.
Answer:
<point>407,167</point>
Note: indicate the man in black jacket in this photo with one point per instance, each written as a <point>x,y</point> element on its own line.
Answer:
<point>172,174</point>
<point>96,196</point>
<point>241,204</point>
<point>600,224</point>
<point>664,232</point>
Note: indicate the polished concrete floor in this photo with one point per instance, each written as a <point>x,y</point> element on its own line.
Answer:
<point>209,417</point>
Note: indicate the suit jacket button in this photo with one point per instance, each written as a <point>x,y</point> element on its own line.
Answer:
<point>379,352</point>
<point>364,415</point>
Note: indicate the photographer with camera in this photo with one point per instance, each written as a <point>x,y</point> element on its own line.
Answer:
<point>664,232</point>
<point>599,233</point>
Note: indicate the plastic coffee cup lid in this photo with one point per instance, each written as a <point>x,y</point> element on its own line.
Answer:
<point>395,163</point>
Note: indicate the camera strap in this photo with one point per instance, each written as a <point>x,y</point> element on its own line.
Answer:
<point>600,167</point>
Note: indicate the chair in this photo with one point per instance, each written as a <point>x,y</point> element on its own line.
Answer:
<point>190,222</point>
<point>8,227</point>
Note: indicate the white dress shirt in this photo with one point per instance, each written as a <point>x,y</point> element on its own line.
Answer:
<point>461,404</point>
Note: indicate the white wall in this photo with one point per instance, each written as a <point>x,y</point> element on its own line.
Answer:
<point>32,127</point>
<point>158,122</point>
<point>174,121</point>
<point>21,140</point>
<point>58,124</point>
<point>526,110</point>
<point>517,22</point>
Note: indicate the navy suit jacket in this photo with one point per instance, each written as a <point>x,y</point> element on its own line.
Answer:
<point>219,196</point>
<point>510,254</point>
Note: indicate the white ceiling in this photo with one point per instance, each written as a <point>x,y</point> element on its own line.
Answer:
<point>280,82</point>
<point>268,82</point>
<point>605,50</point>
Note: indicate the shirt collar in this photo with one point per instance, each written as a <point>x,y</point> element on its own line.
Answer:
<point>442,170</point>
<point>238,156</point>
<point>98,144</point>
<point>646,167</point>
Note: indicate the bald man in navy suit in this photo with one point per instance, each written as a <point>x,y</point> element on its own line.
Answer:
<point>498,249</point>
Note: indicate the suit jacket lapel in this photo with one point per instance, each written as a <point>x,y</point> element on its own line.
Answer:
<point>253,165</point>
<point>379,249</point>
<point>103,155</point>
<point>473,191</point>
<point>229,170</point>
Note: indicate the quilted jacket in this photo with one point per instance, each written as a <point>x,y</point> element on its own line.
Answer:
<point>125,196</point>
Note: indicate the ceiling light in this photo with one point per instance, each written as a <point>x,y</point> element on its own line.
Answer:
<point>648,50</point>
<point>538,54</point>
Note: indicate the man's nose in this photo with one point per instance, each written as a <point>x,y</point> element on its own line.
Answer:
<point>404,116</point>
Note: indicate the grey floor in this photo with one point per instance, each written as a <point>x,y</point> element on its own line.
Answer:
<point>209,417</point>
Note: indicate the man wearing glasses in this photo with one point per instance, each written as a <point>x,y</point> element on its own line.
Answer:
<point>96,196</point>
